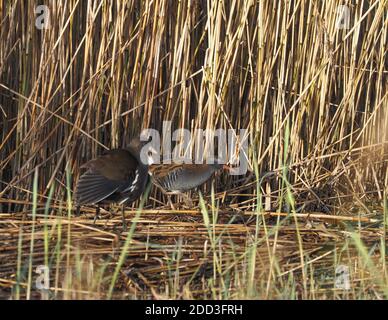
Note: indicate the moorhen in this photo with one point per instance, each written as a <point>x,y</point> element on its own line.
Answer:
<point>178,178</point>
<point>116,176</point>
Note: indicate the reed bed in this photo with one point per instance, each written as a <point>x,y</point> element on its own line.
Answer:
<point>311,94</point>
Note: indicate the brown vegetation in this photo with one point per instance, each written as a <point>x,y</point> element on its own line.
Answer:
<point>313,98</point>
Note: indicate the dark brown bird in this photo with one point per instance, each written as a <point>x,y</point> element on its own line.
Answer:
<point>178,178</point>
<point>117,176</point>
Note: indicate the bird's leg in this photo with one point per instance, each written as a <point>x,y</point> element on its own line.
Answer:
<point>78,211</point>
<point>97,215</point>
<point>188,201</point>
<point>170,202</point>
<point>110,209</point>
<point>123,216</point>
<point>168,194</point>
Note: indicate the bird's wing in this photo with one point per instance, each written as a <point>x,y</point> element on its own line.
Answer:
<point>106,175</point>
<point>92,188</point>
<point>117,165</point>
